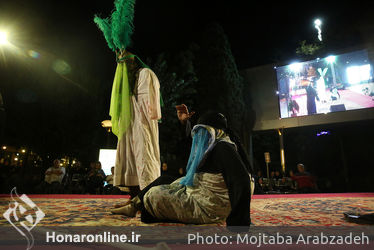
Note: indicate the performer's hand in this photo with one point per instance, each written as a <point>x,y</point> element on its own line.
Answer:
<point>106,124</point>
<point>183,114</point>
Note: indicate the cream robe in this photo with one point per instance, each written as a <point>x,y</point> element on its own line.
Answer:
<point>138,151</point>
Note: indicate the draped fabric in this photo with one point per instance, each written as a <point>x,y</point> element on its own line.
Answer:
<point>138,152</point>
<point>126,80</point>
<point>120,107</point>
<point>204,138</point>
<point>200,143</point>
<point>206,202</point>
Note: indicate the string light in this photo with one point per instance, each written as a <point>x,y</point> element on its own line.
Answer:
<point>317,25</point>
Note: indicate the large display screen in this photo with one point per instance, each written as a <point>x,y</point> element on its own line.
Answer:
<point>335,83</point>
<point>107,157</point>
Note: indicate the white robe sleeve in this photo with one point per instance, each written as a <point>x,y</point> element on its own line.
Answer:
<point>154,108</point>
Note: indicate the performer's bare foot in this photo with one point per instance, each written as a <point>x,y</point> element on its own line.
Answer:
<point>123,204</point>
<point>128,210</point>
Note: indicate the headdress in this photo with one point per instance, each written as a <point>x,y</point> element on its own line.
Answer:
<point>117,30</point>
<point>205,135</point>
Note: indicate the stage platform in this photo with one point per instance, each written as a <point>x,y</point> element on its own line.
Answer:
<point>266,210</point>
<point>290,216</point>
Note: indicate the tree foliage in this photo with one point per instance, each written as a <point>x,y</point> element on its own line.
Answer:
<point>307,49</point>
<point>177,78</point>
<point>204,77</point>
<point>220,86</point>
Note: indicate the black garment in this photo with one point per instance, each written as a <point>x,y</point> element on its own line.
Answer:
<point>367,219</point>
<point>95,182</point>
<point>311,95</point>
<point>233,137</point>
<point>234,165</point>
<point>225,159</point>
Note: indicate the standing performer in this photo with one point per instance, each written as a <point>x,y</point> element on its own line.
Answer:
<point>311,96</point>
<point>135,105</point>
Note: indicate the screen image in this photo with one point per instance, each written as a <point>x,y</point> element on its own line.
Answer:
<point>107,157</point>
<point>335,83</point>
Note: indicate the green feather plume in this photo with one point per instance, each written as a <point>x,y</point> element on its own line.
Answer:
<point>119,28</point>
<point>105,26</point>
<point>123,23</point>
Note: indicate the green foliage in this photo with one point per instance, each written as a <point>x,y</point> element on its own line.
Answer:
<point>118,28</point>
<point>220,86</point>
<point>202,77</point>
<point>177,78</point>
<point>307,49</point>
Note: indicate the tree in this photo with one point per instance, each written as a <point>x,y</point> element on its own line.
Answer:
<point>177,77</point>
<point>307,49</point>
<point>220,86</point>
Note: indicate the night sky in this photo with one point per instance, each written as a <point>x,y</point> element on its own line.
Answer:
<point>52,81</point>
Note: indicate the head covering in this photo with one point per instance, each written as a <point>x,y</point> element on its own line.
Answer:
<point>205,135</point>
<point>213,119</point>
<point>201,139</point>
<point>117,30</point>
<point>218,121</point>
<point>119,27</point>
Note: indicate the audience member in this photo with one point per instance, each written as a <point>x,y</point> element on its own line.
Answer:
<point>100,169</point>
<point>164,168</point>
<point>259,183</point>
<point>55,173</point>
<point>95,178</point>
<point>109,178</point>
<point>306,183</point>
<point>53,179</point>
<point>76,182</point>
<point>109,188</point>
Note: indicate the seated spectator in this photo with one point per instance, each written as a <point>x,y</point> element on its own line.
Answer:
<point>301,170</point>
<point>55,173</point>
<point>109,188</point>
<point>258,183</point>
<point>278,175</point>
<point>279,181</point>
<point>100,169</point>
<point>270,183</point>
<point>76,183</point>
<point>164,168</point>
<point>53,178</point>
<point>306,183</point>
<point>109,178</point>
<point>95,178</point>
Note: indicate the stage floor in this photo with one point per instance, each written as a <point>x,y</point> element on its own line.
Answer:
<point>266,210</point>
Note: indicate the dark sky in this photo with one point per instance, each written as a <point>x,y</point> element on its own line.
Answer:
<point>67,41</point>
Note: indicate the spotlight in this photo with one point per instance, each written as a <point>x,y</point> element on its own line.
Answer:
<point>3,38</point>
<point>295,67</point>
<point>330,59</point>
